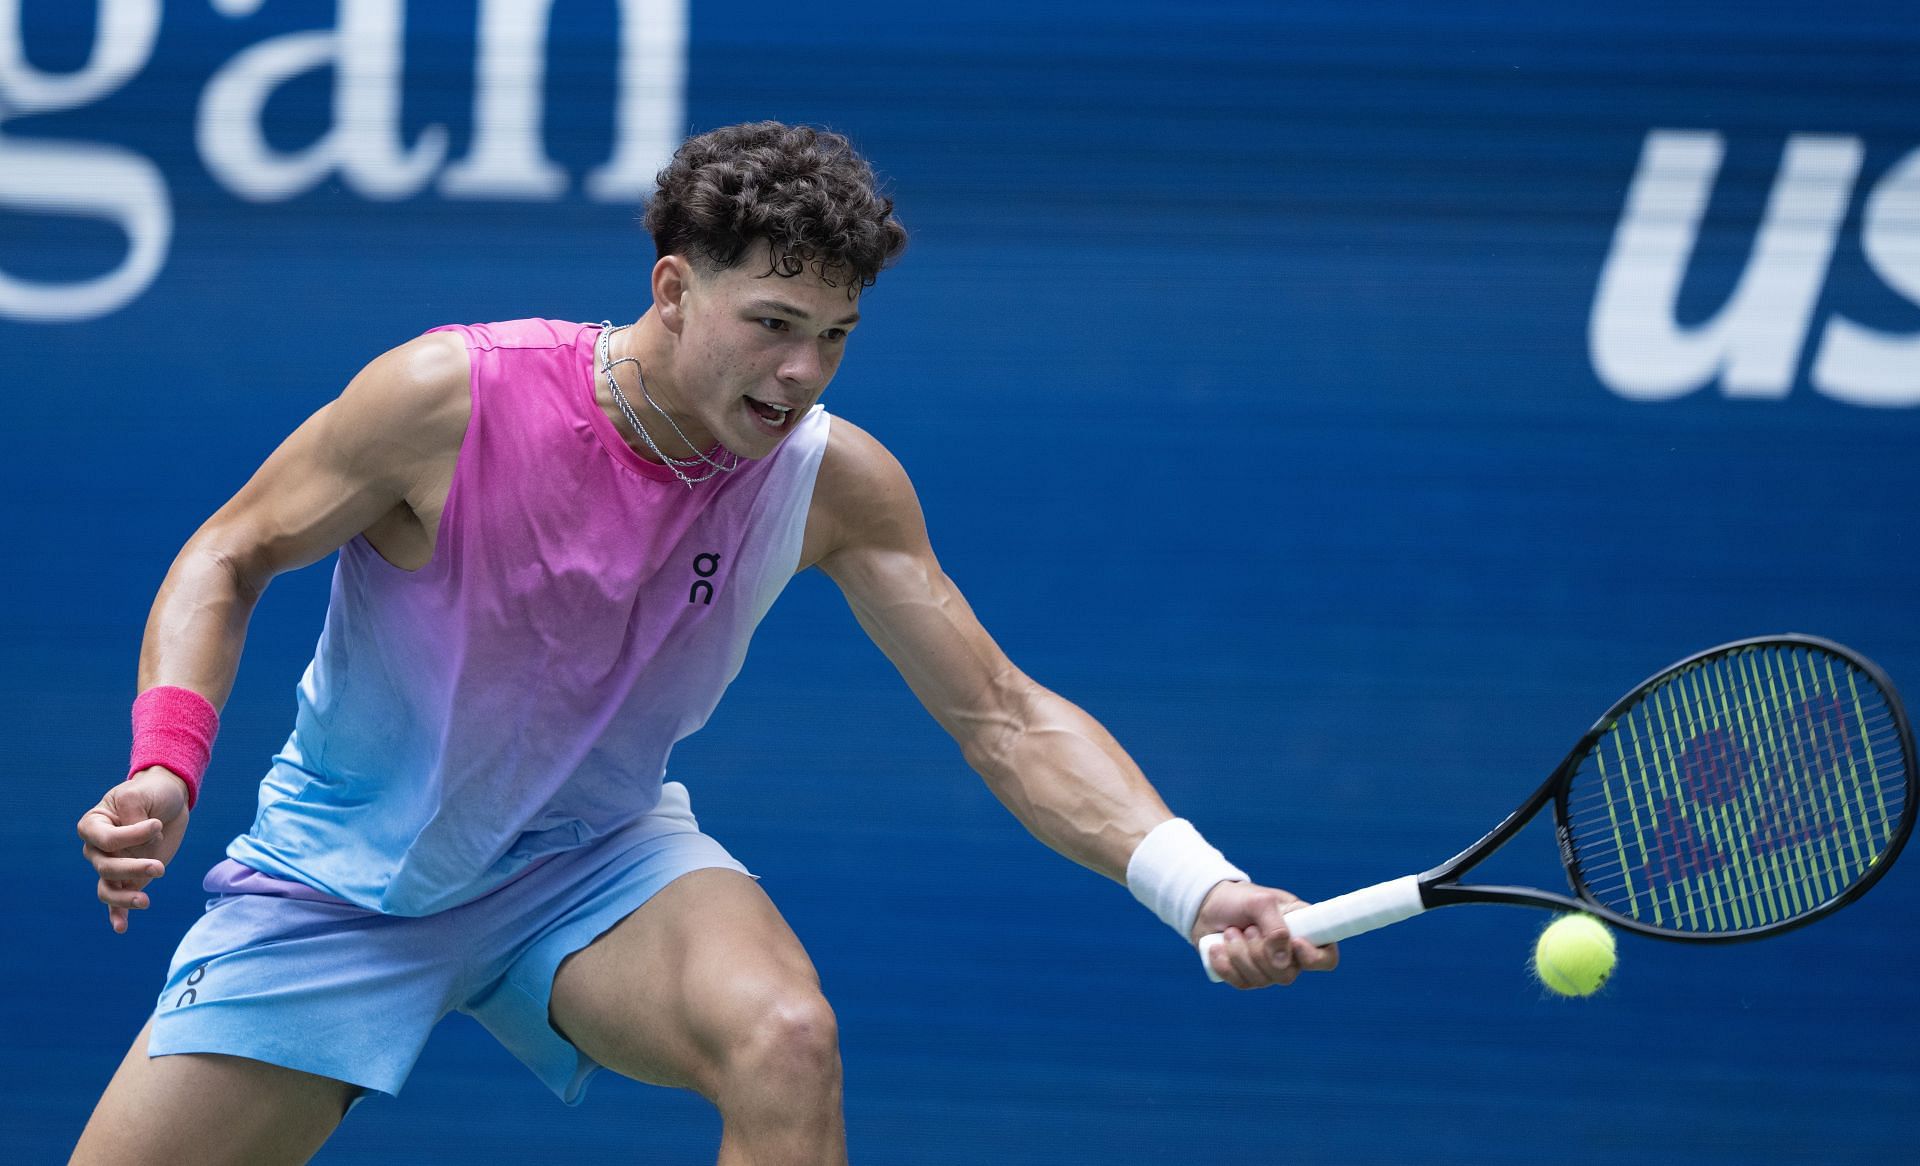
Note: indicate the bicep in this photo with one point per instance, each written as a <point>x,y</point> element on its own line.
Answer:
<point>346,466</point>
<point>885,566</point>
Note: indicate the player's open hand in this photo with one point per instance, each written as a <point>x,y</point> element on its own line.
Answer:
<point>1257,950</point>
<point>131,836</point>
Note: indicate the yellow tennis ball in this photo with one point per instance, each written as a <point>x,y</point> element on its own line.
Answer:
<point>1574,955</point>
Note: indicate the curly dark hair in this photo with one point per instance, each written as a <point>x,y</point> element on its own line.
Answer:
<point>806,191</point>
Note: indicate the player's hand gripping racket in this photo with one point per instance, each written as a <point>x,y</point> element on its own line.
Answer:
<point>1741,792</point>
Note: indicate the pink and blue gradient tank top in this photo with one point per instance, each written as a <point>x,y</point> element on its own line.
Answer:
<point>519,695</point>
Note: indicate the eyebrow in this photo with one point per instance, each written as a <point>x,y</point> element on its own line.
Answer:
<point>786,309</point>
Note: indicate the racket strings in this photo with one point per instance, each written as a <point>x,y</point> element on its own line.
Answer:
<point>1744,790</point>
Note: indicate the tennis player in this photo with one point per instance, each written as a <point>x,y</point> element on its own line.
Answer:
<point>555,540</point>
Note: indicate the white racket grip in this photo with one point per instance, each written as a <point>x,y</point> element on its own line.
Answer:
<point>1343,916</point>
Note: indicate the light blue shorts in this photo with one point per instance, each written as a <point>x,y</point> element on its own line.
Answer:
<point>312,983</point>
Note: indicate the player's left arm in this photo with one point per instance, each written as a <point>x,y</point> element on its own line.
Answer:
<point>1056,768</point>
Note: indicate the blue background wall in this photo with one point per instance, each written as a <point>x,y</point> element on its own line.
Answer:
<point>1242,360</point>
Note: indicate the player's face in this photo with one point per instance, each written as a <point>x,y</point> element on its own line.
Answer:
<point>757,350</point>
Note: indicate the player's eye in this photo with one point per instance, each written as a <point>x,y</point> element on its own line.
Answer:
<point>772,324</point>
<point>834,335</point>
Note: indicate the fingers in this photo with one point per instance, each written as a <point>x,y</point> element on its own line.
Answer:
<point>122,897</point>
<point>1311,957</point>
<point>122,884</point>
<point>98,830</point>
<point>132,871</point>
<point>1268,954</point>
<point>122,877</point>
<point>1247,958</point>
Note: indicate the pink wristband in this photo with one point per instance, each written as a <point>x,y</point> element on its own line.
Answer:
<point>175,728</point>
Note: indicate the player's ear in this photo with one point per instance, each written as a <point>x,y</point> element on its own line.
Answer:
<point>672,276</point>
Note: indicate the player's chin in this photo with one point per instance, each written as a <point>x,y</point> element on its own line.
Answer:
<point>750,448</point>
<point>751,442</point>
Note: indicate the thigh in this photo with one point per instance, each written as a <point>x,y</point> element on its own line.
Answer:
<point>320,987</point>
<point>211,1109</point>
<point>664,994</point>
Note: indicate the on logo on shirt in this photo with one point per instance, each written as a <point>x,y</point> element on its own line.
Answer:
<point>704,565</point>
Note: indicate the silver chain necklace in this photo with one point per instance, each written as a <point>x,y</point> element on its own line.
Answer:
<point>677,465</point>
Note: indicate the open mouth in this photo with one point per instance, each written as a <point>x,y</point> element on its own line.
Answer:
<point>772,416</point>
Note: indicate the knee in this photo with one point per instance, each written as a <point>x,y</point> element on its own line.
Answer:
<point>790,1037</point>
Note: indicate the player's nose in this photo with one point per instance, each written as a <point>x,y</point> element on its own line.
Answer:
<point>802,367</point>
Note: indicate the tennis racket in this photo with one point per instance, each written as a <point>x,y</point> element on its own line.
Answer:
<point>1744,791</point>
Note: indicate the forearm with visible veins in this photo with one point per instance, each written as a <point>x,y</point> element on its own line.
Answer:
<point>198,624</point>
<point>1065,777</point>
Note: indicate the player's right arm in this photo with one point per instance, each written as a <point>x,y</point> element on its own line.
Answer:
<point>377,460</point>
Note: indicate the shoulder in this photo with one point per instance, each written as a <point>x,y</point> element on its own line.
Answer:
<point>411,399</point>
<point>435,362</point>
<point>855,464</point>
<point>862,496</point>
<point>861,480</point>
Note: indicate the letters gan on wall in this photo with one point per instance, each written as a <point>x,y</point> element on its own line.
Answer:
<point>363,146</point>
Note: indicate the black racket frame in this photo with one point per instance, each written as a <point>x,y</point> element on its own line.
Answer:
<point>1437,891</point>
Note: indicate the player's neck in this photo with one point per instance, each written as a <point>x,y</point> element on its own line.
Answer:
<point>649,343</point>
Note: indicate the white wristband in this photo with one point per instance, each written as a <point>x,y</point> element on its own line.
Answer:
<point>1173,869</point>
